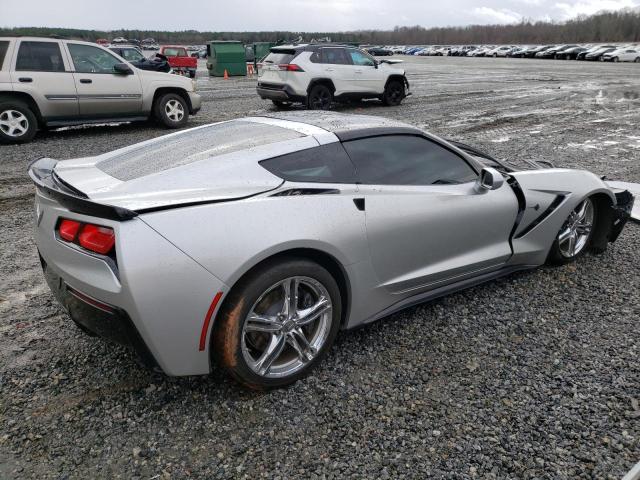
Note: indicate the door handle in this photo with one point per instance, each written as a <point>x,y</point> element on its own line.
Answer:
<point>25,79</point>
<point>86,80</point>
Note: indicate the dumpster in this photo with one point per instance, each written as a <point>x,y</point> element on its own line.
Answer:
<point>261,50</point>
<point>226,55</point>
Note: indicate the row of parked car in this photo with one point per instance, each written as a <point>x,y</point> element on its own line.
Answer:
<point>605,53</point>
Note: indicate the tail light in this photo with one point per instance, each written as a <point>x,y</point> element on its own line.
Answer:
<point>94,238</point>
<point>290,67</point>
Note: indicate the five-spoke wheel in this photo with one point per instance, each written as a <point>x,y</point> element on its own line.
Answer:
<point>575,234</point>
<point>277,323</point>
<point>18,124</point>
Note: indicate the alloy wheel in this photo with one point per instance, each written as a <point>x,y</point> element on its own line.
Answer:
<point>286,327</point>
<point>321,100</point>
<point>174,110</point>
<point>13,123</point>
<point>395,93</point>
<point>575,232</point>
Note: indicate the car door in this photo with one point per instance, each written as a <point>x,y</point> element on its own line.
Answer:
<point>336,66</point>
<point>40,69</point>
<point>102,92</point>
<point>366,76</point>
<point>426,223</point>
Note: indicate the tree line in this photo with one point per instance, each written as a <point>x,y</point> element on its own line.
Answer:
<point>621,26</point>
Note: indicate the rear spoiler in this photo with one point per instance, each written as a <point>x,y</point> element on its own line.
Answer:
<point>43,175</point>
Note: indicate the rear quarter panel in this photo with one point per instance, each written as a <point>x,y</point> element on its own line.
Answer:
<point>230,238</point>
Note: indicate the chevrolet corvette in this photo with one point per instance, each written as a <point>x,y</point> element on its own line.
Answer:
<point>249,244</point>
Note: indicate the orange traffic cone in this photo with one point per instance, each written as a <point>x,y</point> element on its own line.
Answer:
<point>226,74</point>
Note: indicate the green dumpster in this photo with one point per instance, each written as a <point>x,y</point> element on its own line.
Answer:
<point>226,55</point>
<point>261,50</point>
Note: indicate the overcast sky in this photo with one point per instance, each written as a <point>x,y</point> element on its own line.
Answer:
<point>292,15</point>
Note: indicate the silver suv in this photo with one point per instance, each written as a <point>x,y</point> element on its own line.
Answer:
<point>48,83</point>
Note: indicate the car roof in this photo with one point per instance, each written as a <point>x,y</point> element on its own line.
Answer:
<point>338,123</point>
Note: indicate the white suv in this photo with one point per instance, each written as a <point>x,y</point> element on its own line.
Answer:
<point>318,74</point>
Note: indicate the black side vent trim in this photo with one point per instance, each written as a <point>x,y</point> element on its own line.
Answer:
<point>294,192</point>
<point>555,204</point>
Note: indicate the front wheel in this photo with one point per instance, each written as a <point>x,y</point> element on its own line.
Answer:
<point>278,323</point>
<point>574,236</point>
<point>320,98</point>
<point>616,59</point>
<point>18,124</point>
<point>393,93</point>
<point>171,110</point>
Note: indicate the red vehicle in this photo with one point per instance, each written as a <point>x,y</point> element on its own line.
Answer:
<point>102,41</point>
<point>179,59</point>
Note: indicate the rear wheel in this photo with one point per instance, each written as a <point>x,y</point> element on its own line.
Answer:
<point>637,60</point>
<point>393,93</point>
<point>18,124</point>
<point>278,323</point>
<point>574,236</point>
<point>616,59</point>
<point>171,110</point>
<point>320,98</point>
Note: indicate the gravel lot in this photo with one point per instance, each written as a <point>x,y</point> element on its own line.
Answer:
<point>532,376</point>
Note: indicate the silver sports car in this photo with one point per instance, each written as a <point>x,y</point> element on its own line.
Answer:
<point>251,243</point>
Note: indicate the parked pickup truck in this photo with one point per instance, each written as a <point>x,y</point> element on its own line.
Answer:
<point>179,59</point>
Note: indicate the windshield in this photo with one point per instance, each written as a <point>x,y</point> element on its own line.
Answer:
<point>132,55</point>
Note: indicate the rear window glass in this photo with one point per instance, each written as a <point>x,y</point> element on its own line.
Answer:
<point>325,164</point>
<point>280,57</point>
<point>39,57</point>
<point>191,146</point>
<point>175,52</point>
<point>3,52</point>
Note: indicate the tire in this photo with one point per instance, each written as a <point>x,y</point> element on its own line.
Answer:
<point>616,59</point>
<point>280,105</point>
<point>393,93</point>
<point>561,251</point>
<point>319,98</point>
<point>637,60</point>
<point>495,55</point>
<point>171,110</point>
<point>244,353</point>
<point>18,124</point>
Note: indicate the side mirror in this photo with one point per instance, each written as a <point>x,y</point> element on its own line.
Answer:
<point>122,69</point>
<point>489,179</point>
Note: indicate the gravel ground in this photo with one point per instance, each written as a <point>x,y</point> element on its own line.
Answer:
<point>531,376</point>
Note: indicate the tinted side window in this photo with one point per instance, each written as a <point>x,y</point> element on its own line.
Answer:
<point>3,52</point>
<point>406,160</point>
<point>88,59</point>
<point>324,164</point>
<point>39,57</point>
<point>334,56</point>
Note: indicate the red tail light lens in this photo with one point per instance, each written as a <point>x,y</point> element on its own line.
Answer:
<point>68,230</point>
<point>290,67</point>
<point>95,238</point>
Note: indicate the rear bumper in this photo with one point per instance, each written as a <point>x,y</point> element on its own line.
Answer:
<point>283,93</point>
<point>97,318</point>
